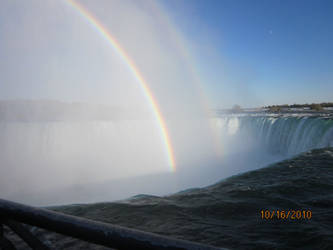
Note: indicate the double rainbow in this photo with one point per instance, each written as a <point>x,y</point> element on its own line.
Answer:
<point>134,69</point>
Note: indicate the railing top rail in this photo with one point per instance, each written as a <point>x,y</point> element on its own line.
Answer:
<point>92,231</point>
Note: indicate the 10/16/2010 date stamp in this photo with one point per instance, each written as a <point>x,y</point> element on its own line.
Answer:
<point>286,214</point>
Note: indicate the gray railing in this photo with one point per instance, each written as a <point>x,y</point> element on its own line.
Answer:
<point>12,214</point>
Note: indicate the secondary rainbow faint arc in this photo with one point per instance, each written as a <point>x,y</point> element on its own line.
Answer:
<point>157,113</point>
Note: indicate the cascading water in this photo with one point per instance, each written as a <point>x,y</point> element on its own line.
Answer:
<point>81,158</point>
<point>285,135</point>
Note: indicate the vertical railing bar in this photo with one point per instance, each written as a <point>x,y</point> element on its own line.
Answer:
<point>26,235</point>
<point>5,244</point>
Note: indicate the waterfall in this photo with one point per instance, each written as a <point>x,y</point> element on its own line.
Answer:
<point>285,135</point>
<point>65,161</point>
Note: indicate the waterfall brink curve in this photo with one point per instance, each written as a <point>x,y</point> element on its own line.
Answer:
<point>288,135</point>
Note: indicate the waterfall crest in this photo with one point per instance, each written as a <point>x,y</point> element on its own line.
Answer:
<point>286,135</point>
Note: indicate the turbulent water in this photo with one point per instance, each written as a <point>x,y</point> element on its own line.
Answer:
<point>228,214</point>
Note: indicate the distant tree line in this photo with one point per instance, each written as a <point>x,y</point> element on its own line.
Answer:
<point>236,108</point>
<point>312,106</point>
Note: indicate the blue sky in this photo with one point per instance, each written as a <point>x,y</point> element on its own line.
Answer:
<point>247,52</point>
<point>260,52</point>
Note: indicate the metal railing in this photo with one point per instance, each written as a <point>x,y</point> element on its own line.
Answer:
<point>12,214</point>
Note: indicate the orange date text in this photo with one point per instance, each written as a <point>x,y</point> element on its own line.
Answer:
<point>286,214</point>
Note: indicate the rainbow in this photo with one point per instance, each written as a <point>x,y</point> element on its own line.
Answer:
<point>134,69</point>
<point>184,51</point>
